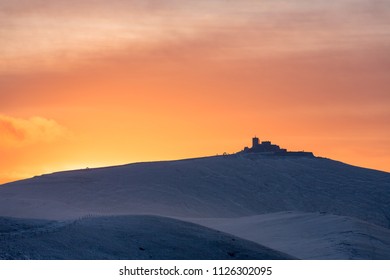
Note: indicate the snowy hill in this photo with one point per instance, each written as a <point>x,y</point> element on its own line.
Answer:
<point>236,186</point>
<point>124,237</point>
<point>310,235</point>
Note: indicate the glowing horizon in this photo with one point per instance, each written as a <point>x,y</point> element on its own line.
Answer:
<point>87,83</point>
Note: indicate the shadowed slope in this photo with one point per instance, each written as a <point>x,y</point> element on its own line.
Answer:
<point>124,237</point>
<point>310,235</point>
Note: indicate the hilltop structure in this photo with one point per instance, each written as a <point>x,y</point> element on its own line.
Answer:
<point>267,148</point>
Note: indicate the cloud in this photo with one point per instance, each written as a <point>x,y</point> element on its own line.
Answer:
<point>18,132</point>
<point>58,34</point>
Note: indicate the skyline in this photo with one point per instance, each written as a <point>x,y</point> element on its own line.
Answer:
<point>87,83</point>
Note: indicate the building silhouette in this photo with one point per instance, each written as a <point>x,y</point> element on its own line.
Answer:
<point>267,148</point>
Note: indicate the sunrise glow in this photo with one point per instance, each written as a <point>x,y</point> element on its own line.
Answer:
<point>98,83</point>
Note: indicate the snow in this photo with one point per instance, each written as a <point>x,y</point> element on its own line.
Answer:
<point>251,197</point>
<point>310,235</point>
<point>124,237</point>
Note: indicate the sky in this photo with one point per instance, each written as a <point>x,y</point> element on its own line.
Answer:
<point>88,83</point>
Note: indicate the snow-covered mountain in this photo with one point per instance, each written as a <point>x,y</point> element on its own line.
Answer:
<point>307,207</point>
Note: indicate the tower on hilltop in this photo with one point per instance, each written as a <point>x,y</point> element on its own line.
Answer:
<point>255,142</point>
<point>266,148</point>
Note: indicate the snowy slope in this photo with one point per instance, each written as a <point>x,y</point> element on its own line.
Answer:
<point>230,186</point>
<point>123,237</point>
<point>344,211</point>
<point>310,235</point>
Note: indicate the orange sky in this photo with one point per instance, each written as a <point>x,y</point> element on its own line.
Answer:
<point>92,83</point>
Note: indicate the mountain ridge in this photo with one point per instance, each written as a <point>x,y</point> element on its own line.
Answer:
<point>241,183</point>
